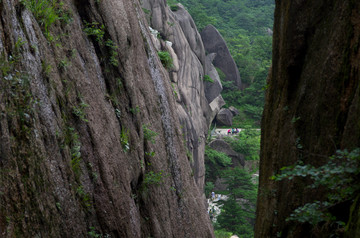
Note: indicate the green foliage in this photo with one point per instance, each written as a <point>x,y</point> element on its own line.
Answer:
<point>63,64</point>
<point>79,111</point>
<point>124,139</point>
<point>72,140</point>
<point>174,91</point>
<point>150,154</point>
<point>243,24</point>
<point>250,101</point>
<point>85,197</point>
<point>222,234</point>
<point>238,211</point>
<point>113,53</point>
<point>173,5</point>
<point>47,12</point>
<point>221,74</point>
<point>95,29</point>
<point>209,187</point>
<point>247,142</point>
<point>340,178</point>
<point>135,110</point>
<point>216,157</point>
<point>152,178</point>
<point>149,135</point>
<point>15,86</point>
<point>93,233</point>
<point>208,79</point>
<point>215,162</point>
<point>166,59</point>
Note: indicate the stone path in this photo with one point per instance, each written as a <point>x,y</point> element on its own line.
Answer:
<point>225,132</point>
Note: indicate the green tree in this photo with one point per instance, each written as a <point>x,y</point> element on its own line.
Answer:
<point>247,142</point>
<point>243,24</point>
<point>215,162</point>
<point>238,211</point>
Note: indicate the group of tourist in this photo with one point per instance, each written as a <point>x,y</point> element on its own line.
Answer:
<point>233,131</point>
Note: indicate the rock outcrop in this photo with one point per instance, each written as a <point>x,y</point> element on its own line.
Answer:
<point>214,43</point>
<point>222,146</point>
<point>224,117</point>
<point>90,135</point>
<point>193,109</point>
<point>312,109</point>
<point>234,111</point>
<point>213,88</point>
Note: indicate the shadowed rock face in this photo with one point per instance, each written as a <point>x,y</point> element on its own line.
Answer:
<point>222,146</point>
<point>214,43</point>
<point>224,117</point>
<point>313,100</point>
<point>214,88</point>
<point>90,140</point>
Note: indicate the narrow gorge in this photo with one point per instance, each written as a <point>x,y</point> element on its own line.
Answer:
<point>106,107</point>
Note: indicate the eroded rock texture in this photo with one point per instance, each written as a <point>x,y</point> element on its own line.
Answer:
<point>193,109</point>
<point>90,140</point>
<point>215,43</point>
<point>312,106</point>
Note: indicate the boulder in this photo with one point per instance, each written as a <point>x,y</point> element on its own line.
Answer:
<point>214,43</point>
<point>222,146</point>
<point>212,89</point>
<point>216,105</point>
<point>224,117</point>
<point>234,111</point>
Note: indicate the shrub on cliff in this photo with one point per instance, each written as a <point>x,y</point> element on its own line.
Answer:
<point>165,59</point>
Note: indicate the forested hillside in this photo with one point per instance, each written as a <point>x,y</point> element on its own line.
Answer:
<point>246,26</point>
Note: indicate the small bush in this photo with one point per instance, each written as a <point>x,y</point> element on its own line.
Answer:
<point>149,135</point>
<point>166,59</point>
<point>124,140</point>
<point>173,5</point>
<point>96,30</point>
<point>208,79</point>
<point>222,234</point>
<point>152,178</point>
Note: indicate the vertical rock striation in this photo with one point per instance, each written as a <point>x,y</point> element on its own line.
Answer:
<point>90,139</point>
<point>312,105</point>
<point>193,109</point>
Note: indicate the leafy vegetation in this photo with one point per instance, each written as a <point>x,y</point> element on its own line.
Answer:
<point>339,177</point>
<point>72,140</point>
<point>124,139</point>
<point>173,5</point>
<point>149,135</point>
<point>113,53</point>
<point>247,142</point>
<point>165,59</point>
<point>79,111</point>
<point>222,234</point>
<point>47,12</point>
<point>96,30</point>
<point>244,24</point>
<point>238,211</point>
<point>152,178</point>
<point>207,78</point>
<point>215,163</point>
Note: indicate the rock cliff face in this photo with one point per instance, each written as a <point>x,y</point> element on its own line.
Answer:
<point>312,105</point>
<point>214,43</point>
<point>90,136</point>
<point>194,110</point>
